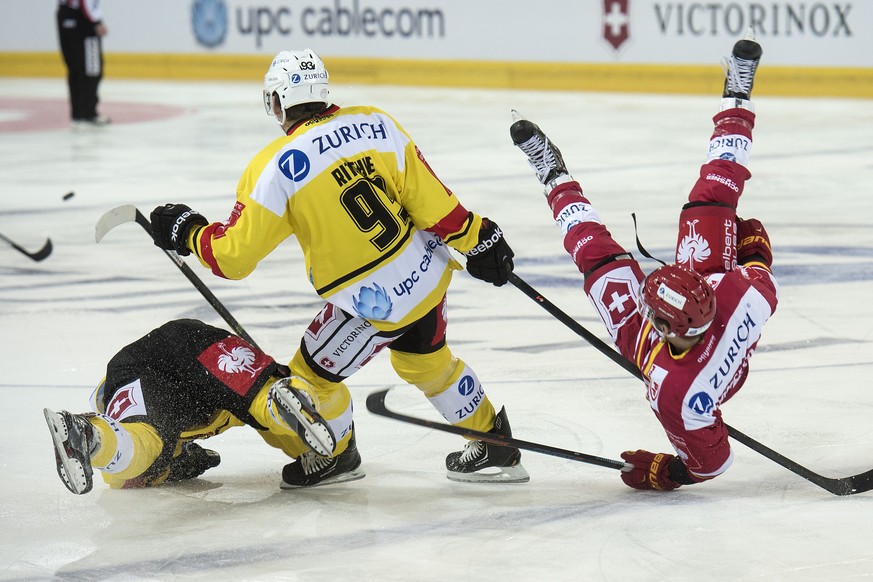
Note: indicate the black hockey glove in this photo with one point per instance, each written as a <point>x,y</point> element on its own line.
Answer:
<point>491,259</point>
<point>170,226</point>
<point>193,461</point>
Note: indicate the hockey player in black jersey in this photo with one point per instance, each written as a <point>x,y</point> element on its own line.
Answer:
<point>187,381</point>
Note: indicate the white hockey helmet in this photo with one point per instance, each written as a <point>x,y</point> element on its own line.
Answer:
<point>295,77</point>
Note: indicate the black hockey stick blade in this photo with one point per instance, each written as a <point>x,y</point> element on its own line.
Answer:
<point>857,483</point>
<point>39,255</point>
<point>376,405</point>
<point>838,486</point>
<point>130,213</point>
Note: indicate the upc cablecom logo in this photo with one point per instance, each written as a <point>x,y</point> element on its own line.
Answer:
<point>209,21</point>
<point>212,21</point>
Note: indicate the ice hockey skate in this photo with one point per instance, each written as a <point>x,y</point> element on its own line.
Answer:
<point>542,155</point>
<point>740,68</point>
<point>297,410</point>
<point>192,462</point>
<point>482,462</point>
<point>312,470</point>
<point>74,440</point>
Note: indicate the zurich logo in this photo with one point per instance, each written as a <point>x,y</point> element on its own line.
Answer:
<point>466,386</point>
<point>701,403</point>
<point>295,165</point>
<point>372,303</point>
<point>209,21</point>
<point>728,156</point>
<point>295,78</point>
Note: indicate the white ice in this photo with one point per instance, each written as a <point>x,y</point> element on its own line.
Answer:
<point>809,395</point>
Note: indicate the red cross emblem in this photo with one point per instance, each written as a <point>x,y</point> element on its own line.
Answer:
<point>617,298</point>
<point>616,22</point>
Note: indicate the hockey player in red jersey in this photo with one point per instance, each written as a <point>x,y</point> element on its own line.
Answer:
<point>188,381</point>
<point>690,327</point>
<point>375,225</point>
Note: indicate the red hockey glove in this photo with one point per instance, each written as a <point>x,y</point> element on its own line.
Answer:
<point>491,259</point>
<point>753,243</point>
<point>650,471</point>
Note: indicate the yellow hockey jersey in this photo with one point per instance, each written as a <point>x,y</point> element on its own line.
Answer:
<point>371,217</point>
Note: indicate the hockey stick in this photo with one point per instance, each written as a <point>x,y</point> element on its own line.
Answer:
<point>592,339</point>
<point>130,213</point>
<point>838,486</point>
<point>376,405</point>
<point>39,255</point>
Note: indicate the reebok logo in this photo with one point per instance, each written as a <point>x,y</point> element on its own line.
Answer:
<point>487,244</point>
<point>177,226</point>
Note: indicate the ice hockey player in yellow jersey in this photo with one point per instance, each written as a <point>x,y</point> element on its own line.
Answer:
<point>375,225</point>
<point>184,382</point>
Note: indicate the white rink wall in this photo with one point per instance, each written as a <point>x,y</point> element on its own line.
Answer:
<point>796,32</point>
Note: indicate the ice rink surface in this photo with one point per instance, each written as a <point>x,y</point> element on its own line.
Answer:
<point>809,395</point>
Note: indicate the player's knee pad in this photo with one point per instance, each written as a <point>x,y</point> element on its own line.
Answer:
<point>463,401</point>
<point>431,372</point>
<point>450,385</point>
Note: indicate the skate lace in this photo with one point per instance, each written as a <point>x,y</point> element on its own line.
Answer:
<point>542,158</point>
<point>740,74</point>
<point>472,451</point>
<point>313,463</point>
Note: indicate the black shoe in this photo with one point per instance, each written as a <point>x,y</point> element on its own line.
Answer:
<point>89,122</point>
<point>75,440</point>
<point>193,461</point>
<point>484,462</point>
<point>311,469</point>
<point>542,155</point>
<point>740,67</point>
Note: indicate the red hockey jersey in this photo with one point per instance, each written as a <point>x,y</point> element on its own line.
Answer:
<point>685,390</point>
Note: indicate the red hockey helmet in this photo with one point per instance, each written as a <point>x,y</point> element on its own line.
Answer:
<point>679,296</point>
